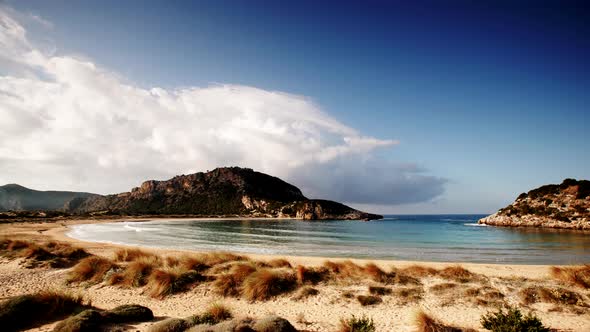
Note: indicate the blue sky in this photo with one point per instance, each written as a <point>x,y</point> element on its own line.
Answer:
<point>491,97</point>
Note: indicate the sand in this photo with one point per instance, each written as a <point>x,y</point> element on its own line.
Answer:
<point>318,313</point>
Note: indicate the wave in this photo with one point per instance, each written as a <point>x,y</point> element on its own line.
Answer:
<point>475,225</point>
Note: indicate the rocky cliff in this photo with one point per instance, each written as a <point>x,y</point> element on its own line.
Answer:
<point>223,191</point>
<point>565,205</point>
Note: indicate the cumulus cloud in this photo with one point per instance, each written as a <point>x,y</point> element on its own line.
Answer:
<point>67,123</point>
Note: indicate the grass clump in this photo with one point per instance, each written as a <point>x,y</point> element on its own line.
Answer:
<point>170,325</point>
<point>130,255</point>
<point>264,284</point>
<point>93,269</point>
<point>168,281</point>
<point>557,295</point>
<point>409,294</point>
<point>27,311</point>
<point>51,254</point>
<point>353,324</point>
<point>378,290</point>
<point>512,321</point>
<point>366,300</point>
<point>457,273</point>
<point>230,284</point>
<point>306,275</point>
<point>214,314</point>
<point>418,271</point>
<point>306,292</point>
<point>575,275</point>
<point>278,263</point>
<point>426,323</point>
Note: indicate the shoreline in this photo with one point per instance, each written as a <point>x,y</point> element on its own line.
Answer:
<point>321,312</point>
<point>59,230</point>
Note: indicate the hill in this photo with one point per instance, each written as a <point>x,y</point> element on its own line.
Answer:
<point>227,191</point>
<point>565,205</point>
<point>18,198</point>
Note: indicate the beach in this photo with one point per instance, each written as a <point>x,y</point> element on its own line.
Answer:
<point>318,313</point>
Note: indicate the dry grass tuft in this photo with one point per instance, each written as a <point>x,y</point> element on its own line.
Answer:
<point>418,271</point>
<point>457,273</point>
<point>443,287</point>
<point>484,296</point>
<point>193,263</point>
<point>278,263</point>
<point>264,284</point>
<point>51,254</point>
<point>575,275</point>
<point>138,271</point>
<point>27,311</point>
<point>130,255</point>
<point>230,284</point>
<point>378,290</point>
<point>93,269</point>
<point>305,292</point>
<point>314,275</point>
<point>409,294</point>
<point>215,258</point>
<point>556,295</point>
<point>366,300</point>
<point>217,313</point>
<point>425,323</point>
<point>345,269</point>
<point>375,273</point>
<point>167,281</point>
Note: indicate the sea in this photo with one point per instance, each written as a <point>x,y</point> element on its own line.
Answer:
<point>441,238</point>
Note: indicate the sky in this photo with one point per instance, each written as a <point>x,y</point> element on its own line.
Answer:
<point>393,107</point>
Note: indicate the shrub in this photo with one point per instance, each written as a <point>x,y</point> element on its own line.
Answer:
<point>551,295</point>
<point>26,311</point>
<point>353,324</point>
<point>312,276</point>
<point>264,284</point>
<point>92,269</point>
<point>575,275</point>
<point>366,300</point>
<point>512,321</point>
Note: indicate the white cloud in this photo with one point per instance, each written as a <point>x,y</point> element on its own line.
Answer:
<point>66,123</point>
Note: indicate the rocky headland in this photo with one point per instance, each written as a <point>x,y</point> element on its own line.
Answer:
<point>565,206</point>
<point>226,191</point>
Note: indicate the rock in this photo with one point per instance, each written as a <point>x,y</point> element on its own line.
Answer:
<point>129,313</point>
<point>273,324</point>
<point>169,325</point>
<point>86,321</point>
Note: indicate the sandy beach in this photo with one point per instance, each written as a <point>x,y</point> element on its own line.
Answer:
<point>318,313</point>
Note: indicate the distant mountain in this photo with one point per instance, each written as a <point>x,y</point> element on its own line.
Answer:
<point>565,205</point>
<point>223,191</point>
<point>18,198</point>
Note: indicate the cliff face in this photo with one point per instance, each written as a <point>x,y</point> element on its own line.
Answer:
<point>18,198</point>
<point>565,205</point>
<point>223,191</point>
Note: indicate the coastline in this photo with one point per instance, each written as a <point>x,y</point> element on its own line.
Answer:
<point>321,313</point>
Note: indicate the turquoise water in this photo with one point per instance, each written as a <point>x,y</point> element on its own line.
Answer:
<point>446,238</point>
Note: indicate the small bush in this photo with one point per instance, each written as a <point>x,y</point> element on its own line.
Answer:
<point>512,321</point>
<point>558,295</point>
<point>575,275</point>
<point>366,300</point>
<point>264,284</point>
<point>91,269</point>
<point>26,311</point>
<point>353,324</point>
